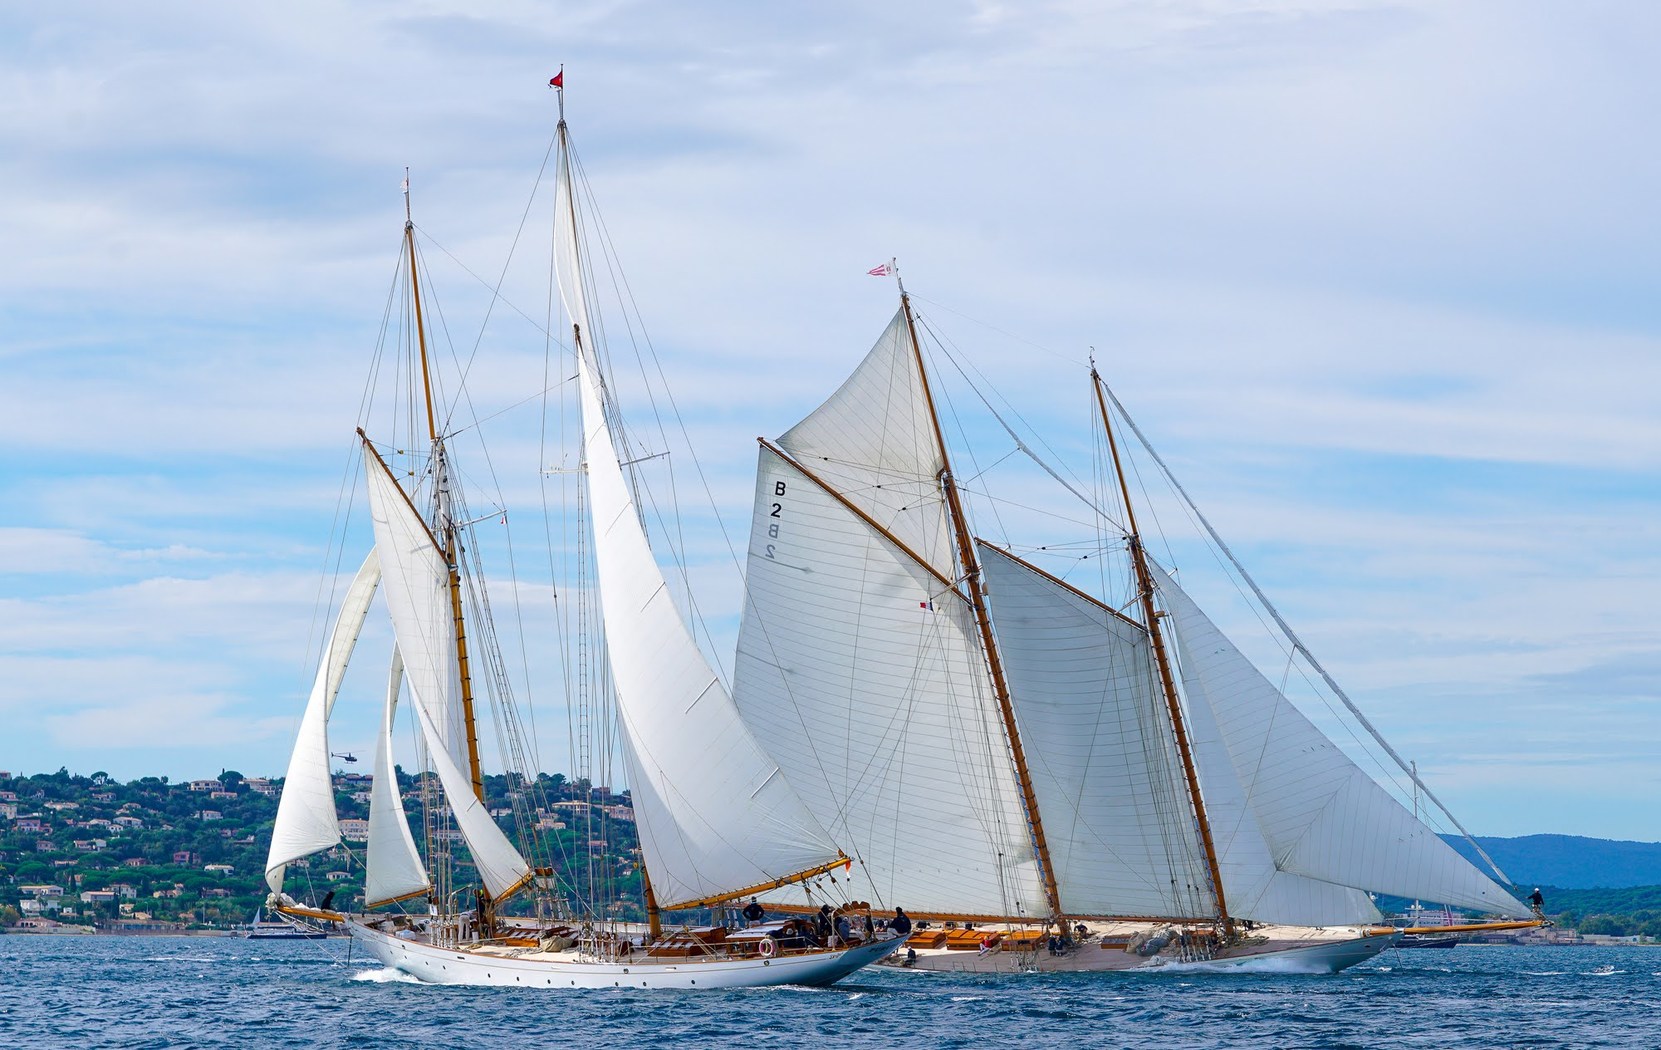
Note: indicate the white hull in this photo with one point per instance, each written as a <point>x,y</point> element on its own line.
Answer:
<point>569,969</point>
<point>1326,953</point>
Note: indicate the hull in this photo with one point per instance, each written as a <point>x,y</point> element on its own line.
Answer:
<point>518,968</point>
<point>1306,951</point>
<point>285,935</point>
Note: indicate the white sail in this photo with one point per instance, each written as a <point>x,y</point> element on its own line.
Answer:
<point>862,672</point>
<point>874,441</point>
<point>417,588</point>
<point>392,869</point>
<point>1099,745</point>
<point>423,622</point>
<point>714,814</point>
<point>1320,816</point>
<point>1253,886</point>
<point>500,866</point>
<point>306,821</point>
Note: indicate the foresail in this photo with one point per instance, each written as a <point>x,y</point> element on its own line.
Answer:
<point>500,866</point>
<point>306,820</point>
<point>417,588</point>
<point>1253,886</point>
<point>713,812</point>
<point>874,441</point>
<point>1099,747</point>
<point>1321,816</point>
<point>861,672</point>
<point>392,868</point>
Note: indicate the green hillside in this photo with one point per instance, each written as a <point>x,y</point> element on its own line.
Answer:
<point>89,850</point>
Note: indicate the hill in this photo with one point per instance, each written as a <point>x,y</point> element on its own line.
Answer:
<point>91,850</point>
<point>1569,861</point>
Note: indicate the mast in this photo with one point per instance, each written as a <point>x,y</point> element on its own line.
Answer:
<point>448,535</point>
<point>1144,584</point>
<point>977,600</point>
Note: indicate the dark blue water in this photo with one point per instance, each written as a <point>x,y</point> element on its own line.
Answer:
<point>90,993</point>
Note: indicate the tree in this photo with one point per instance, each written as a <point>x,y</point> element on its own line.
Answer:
<point>1604,925</point>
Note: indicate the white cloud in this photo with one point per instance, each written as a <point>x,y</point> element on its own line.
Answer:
<point>1373,275</point>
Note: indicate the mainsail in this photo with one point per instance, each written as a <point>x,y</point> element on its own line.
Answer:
<point>1321,816</point>
<point>714,814</point>
<point>859,662</point>
<point>306,821</point>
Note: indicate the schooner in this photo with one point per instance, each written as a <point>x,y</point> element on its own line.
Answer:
<point>716,821</point>
<point>1051,781</point>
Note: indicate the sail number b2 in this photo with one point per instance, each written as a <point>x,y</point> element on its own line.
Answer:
<point>776,512</point>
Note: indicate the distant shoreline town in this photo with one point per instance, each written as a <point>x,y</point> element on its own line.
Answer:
<point>152,856</point>
<point>89,854</point>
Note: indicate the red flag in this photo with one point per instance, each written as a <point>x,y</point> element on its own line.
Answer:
<point>885,270</point>
<point>558,80</point>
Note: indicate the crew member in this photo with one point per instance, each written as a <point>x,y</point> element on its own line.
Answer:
<point>900,923</point>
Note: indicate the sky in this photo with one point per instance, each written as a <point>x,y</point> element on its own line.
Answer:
<point>1380,280</point>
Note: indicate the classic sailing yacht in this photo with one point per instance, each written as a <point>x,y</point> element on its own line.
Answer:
<point>716,820</point>
<point>1040,772</point>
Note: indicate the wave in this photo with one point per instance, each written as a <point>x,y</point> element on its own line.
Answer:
<point>386,975</point>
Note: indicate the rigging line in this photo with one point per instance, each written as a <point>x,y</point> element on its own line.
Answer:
<point>1255,609</point>
<point>479,421</point>
<point>534,323</point>
<point>329,580</point>
<point>496,290</point>
<point>565,632</point>
<point>1022,446</point>
<point>964,364</point>
<point>625,294</point>
<point>1278,639</point>
<point>963,438</point>
<point>1293,638</point>
<point>993,328</point>
<point>993,498</point>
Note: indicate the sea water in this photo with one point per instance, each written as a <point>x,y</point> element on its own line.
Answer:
<point>90,993</point>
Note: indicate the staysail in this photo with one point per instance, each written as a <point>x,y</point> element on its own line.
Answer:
<point>306,821</point>
<point>714,814</point>
<point>859,662</point>
<point>1320,816</point>
<point>392,867</point>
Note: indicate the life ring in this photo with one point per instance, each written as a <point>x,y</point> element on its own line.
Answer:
<point>767,947</point>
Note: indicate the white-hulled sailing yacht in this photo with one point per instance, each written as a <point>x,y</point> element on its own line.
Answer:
<point>1039,773</point>
<point>716,820</point>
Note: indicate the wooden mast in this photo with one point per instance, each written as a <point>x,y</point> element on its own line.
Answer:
<point>1144,584</point>
<point>449,538</point>
<point>989,645</point>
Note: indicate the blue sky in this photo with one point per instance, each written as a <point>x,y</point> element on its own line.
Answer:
<point>1380,279</point>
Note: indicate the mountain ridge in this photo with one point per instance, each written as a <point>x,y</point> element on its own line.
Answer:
<point>1568,861</point>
